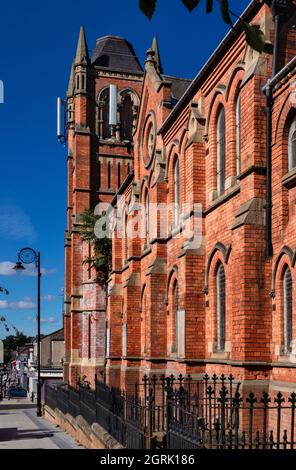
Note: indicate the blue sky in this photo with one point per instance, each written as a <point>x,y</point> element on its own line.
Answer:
<point>37,45</point>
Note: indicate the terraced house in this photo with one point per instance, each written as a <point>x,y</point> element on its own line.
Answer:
<point>217,155</point>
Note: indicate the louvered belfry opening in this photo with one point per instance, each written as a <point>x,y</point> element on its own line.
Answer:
<point>220,280</point>
<point>287,288</point>
<point>126,118</point>
<point>106,132</point>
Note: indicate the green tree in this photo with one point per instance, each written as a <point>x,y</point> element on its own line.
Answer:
<point>254,36</point>
<point>100,257</point>
<point>13,342</point>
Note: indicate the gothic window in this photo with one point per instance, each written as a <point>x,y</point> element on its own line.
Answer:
<point>221,152</point>
<point>99,174</point>
<point>126,254</point>
<point>176,309</point>
<point>109,175</point>
<point>287,297</point>
<point>292,145</point>
<point>176,192</point>
<point>104,128</point>
<point>220,292</point>
<point>126,117</point>
<point>238,133</point>
<point>118,174</point>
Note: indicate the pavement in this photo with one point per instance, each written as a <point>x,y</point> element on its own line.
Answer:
<point>20,428</point>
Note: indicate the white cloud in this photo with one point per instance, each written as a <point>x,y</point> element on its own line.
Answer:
<point>20,305</point>
<point>6,269</point>
<point>43,320</point>
<point>48,297</point>
<point>15,224</point>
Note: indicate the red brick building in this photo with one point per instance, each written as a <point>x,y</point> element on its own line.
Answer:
<point>222,149</point>
<point>98,163</point>
<point>177,308</point>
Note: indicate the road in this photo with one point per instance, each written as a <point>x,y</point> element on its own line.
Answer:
<point>20,428</point>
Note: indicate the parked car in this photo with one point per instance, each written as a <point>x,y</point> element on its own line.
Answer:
<point>17,392</point>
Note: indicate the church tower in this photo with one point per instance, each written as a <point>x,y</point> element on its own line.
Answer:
<point>100,157</point>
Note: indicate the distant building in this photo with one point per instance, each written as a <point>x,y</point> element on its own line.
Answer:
<point>52,358</point>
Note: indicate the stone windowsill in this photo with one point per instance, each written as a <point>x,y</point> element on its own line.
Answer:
<point>286,358</point>
<point>218,201</point>
<point>289,179</point>
<point>116,143</point>
<point>220,355</point>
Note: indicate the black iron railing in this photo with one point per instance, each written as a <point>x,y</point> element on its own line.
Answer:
<point>182,413</point>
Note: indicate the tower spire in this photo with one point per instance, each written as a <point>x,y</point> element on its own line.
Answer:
<point>155,48</point>
<point>70,89</point>
<point>82,50</point>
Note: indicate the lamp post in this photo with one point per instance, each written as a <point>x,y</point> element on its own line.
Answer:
<point>28,256</point>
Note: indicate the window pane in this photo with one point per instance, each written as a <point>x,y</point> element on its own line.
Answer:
<point>104,99</point>
<point>126,118</point>
<point>287,311</point>
<point>238,135</point>
<point>221,152</point>
<point>176,193</point>
<point>220,308</point>
<point>292,146</point>
<point>176,308</point>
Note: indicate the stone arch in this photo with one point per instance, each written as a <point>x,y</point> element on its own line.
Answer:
<point>173,149</point>
<point>235,78</point>
<point>225,251</point>
<point>173,273</point>
<point>217,100</point>
<point>286,112</point>
<point>285,251</point>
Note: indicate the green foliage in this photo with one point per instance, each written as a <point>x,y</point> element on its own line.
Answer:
<point>13,342</point>
<point>224,7</point>
<point>254,36</point>
<point>190,4</point>
<point>209,6</point>
<point>147,7</point>
<point>100,258</point>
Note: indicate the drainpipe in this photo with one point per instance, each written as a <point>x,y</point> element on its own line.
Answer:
<point>268,204</point>
<point>278,8</point>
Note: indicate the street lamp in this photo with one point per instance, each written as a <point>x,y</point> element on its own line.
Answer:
<point>28,256</point>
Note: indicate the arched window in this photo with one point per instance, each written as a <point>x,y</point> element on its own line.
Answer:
<point>176,309</point>
<point>238,133</point>
<point>126,246</point>
<point>221,152</point>
<point>126,118</point>
<point>292,146</point>
<point>104,128</point>
<point>147,215</point>
<point>176,192</point>
<point>220,290</point>
<point>287,297</point>
<point>144,323</point>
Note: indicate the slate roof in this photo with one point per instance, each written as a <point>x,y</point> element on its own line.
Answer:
<point>117,54</point>
<point>179,85</point>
